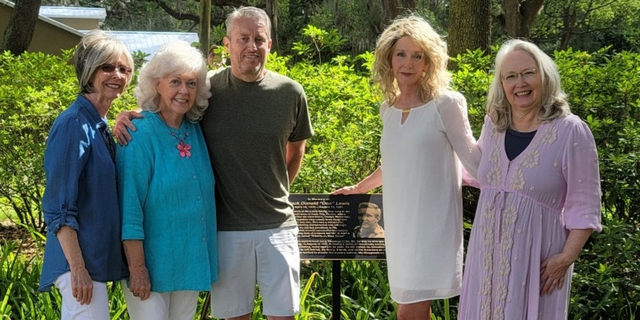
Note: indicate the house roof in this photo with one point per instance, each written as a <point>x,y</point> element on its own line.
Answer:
<point>48,20</point>
<point>150,41</point>
<point>73,12</point>
<point>146,41</point>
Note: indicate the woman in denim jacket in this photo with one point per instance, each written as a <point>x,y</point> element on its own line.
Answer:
<point>80,203</point>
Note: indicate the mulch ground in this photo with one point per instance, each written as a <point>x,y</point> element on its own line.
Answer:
<point>25,245</point>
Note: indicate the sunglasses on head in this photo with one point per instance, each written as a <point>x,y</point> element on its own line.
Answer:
<point>107,67</point>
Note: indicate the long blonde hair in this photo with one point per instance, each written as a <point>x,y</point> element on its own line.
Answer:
<point>436,79</point>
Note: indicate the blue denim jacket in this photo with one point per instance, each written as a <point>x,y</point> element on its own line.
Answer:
<point>81,192</point>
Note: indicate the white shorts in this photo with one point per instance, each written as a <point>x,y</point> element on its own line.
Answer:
<point>175,305</point>
<point>270,258</point>
<point>97,309</point>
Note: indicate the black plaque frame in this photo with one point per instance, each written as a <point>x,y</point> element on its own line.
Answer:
<point>328,227</point>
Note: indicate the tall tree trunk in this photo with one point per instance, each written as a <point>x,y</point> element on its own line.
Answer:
<point>408,5</point>
<point>469,26</point>
<point>272,10</point>
<point>390,10</point>
<point>568,23</point>
<point>22,25</point>
<point>520,15</point>
<point>393,8</point>
<point>205,26</point>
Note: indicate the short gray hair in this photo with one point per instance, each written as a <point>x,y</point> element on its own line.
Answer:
<point>95,49</point>
<point>554,100</point>
<point>253,13</point>
<point>176,57</point>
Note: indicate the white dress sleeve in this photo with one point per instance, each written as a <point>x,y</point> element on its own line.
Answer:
<point>452,107</point>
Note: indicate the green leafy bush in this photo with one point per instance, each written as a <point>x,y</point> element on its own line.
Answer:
<point>606,281</point>
<point>604,91</point>
<point>20,278</point>
<point>344,112</point>
<point>34,89</point>
<point>318,44</point>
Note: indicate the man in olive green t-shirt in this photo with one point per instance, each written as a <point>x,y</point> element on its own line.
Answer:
<point>255,128</point>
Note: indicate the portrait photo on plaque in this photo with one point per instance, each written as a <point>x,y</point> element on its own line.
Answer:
<point>370,218</point>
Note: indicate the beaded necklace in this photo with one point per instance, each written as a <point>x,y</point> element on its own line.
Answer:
<point>184,149</point>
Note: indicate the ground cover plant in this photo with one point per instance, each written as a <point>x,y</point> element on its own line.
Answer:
<point>603,88</point>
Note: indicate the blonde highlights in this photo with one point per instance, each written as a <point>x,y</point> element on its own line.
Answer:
<point>436,78</point>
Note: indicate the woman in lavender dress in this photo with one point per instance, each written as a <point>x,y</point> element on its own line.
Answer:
<point>540,194</point>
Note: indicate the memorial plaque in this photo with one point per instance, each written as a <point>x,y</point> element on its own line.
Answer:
<point>344,227</point>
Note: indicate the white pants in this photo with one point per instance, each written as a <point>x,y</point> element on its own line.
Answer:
<point>97,309</point>
<point>175,305</point>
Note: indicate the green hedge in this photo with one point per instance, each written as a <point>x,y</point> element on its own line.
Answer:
<point>603,88</point>
<point>34,89</point>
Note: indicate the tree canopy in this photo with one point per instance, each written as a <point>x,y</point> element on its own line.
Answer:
<point>467,25</point>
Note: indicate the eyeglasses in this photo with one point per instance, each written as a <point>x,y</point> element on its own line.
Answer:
<point>111,68</point>
<point>512,77</point>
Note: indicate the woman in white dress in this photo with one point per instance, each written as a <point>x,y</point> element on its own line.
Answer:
<point>425,133</point>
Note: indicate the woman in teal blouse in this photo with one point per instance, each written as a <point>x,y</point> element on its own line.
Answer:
<point>166,189</point>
